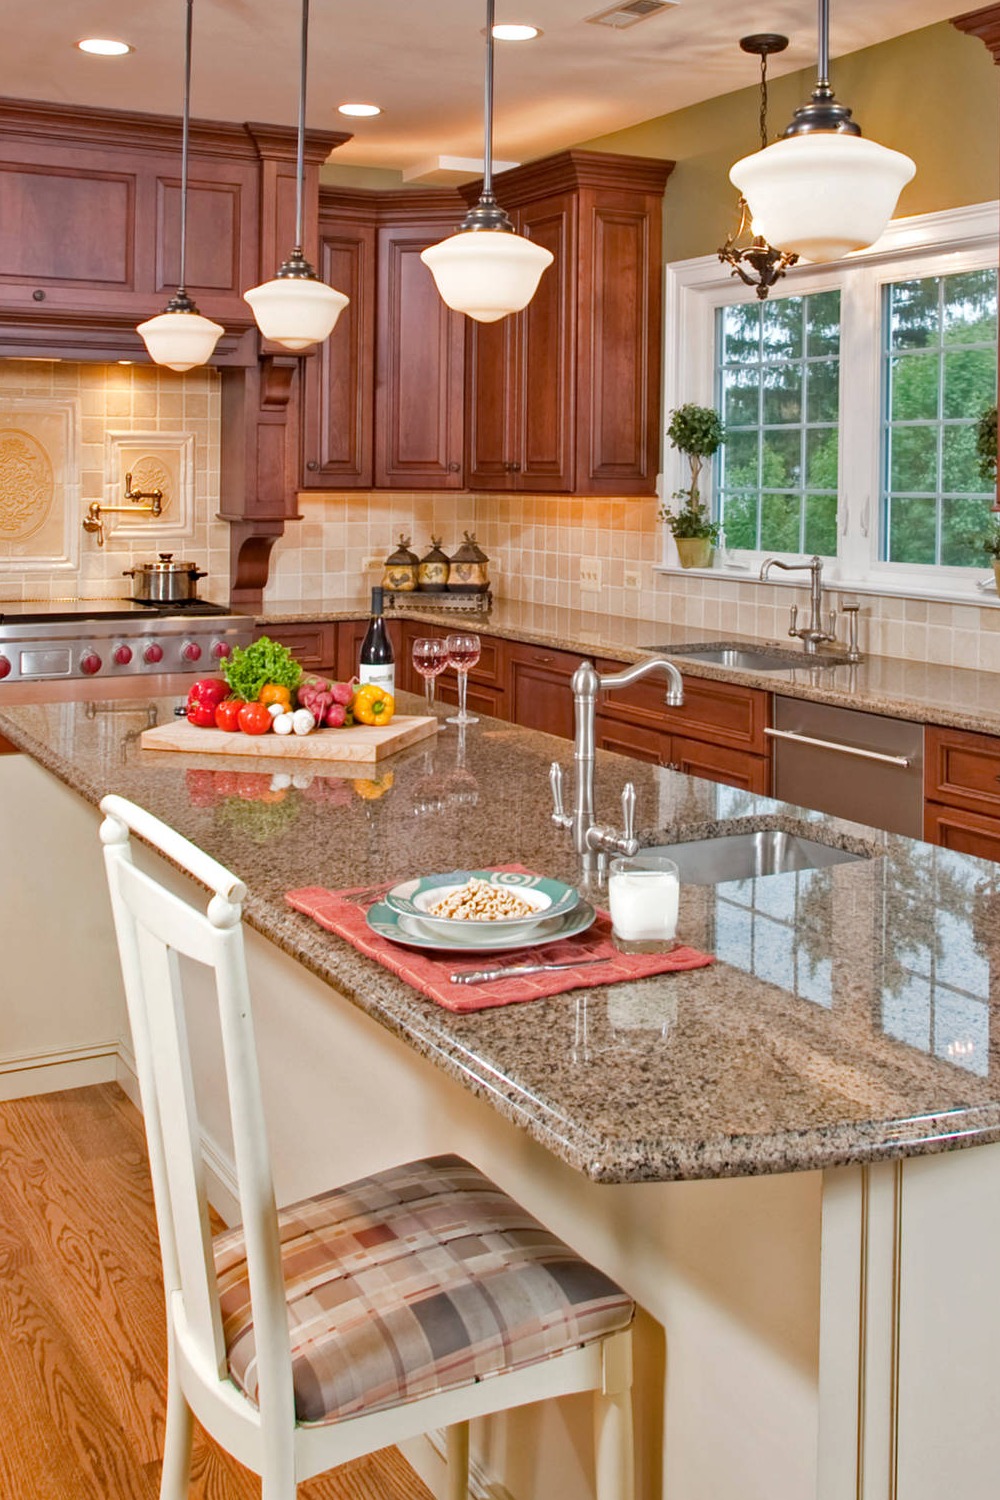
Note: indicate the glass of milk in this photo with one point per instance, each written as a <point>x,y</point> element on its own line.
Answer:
<point>643,894</point>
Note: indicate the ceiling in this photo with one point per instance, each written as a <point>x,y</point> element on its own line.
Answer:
<point>422,61</point>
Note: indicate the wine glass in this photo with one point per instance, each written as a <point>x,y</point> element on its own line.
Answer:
<point>463,653</point>
<point>430,659</point>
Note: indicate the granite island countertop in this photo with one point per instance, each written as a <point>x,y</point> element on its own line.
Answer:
<point>852,1014</point>
<point>958,697</point>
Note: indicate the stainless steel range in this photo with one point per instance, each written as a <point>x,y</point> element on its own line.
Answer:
<point>114,638</point>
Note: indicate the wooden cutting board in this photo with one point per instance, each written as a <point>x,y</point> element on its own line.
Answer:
<point>362,743</point>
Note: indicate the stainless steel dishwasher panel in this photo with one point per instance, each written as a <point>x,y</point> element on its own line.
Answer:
<point>854,765</point>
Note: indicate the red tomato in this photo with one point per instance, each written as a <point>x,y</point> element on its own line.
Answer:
<point>254,718</point>
<point>227,714</point>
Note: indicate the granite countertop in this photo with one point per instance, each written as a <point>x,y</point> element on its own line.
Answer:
<point>955,696</point>
<point>849,1018</point>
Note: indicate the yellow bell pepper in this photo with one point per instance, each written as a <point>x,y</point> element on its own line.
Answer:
<point>372,705</point>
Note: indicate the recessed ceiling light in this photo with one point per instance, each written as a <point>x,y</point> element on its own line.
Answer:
<point>361,110</point>
<point>102,46</point>
<point>515,32</point>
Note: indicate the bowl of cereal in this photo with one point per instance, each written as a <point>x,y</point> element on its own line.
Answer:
<point>473,904</point>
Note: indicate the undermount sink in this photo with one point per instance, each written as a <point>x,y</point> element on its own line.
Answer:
<point>748,856</point>
<point>750,658</point>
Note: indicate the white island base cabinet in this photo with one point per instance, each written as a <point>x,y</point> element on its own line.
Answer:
<point>806,1336</point>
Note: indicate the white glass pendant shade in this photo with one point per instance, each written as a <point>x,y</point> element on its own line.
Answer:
<point>823,193</point>
<point>487,273</point>
<point>296,311</point>
<point>180,340</point>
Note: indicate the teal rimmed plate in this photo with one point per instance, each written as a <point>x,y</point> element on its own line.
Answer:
<point>549,898</point>
<point>412,932</point>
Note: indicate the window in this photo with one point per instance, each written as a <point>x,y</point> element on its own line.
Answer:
<point>851,398</point>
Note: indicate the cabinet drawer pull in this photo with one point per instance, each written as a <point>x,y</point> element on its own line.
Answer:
<point>805,739</point>
<point>546,661</point>
<point>312,466</point>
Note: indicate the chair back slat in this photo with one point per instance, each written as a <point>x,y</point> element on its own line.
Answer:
<point>154,927</point>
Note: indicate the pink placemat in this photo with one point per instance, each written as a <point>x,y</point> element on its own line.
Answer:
<point>344,912</point>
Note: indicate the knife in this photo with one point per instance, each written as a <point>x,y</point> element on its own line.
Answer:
<point>481,976</point>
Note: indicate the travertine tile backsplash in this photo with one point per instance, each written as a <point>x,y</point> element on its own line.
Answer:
<point>68,435</point>
<point>536,542</point>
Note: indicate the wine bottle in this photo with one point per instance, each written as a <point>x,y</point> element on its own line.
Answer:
<point>377,661</point>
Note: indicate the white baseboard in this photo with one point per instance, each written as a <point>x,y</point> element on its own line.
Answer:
<point>426,1456</point>
<point>26,1073</point>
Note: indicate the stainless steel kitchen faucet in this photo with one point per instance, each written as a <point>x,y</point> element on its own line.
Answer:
<point>813,634</point>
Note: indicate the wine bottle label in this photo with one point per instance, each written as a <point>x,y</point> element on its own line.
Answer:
<point>382,674</point>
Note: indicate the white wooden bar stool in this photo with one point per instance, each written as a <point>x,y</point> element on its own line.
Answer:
<point>414,1299</point>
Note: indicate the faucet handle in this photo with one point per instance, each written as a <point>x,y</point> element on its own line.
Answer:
<point>628,812</point>
<point>793,620</point>
<point>832,627</point>
<point>556,783</point>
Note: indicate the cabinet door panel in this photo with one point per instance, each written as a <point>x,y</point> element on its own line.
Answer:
<point>337,418</point>
<point>962,769</point>
<point>419,399</point>
<point>723,713</point>
<point>214,241</point>
<point>963,831</point>
<point>618,315</point>
<point>632,739</point>
<point>489,439</point>
<point>75,227</point>
<point>719,763</point>
<point>545,422</point>
<point>538,688</point>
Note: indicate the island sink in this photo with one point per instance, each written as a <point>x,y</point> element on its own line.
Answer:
<point>748,856</point>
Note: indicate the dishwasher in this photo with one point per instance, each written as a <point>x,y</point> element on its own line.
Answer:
<point>851,764</point>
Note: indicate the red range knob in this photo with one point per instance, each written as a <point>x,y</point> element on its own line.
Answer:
<point>221,649</point>
<point>191,651</point>
<point>153,652</point>
<point>90,663</point>
<point>122,655</point>
<point>5,667</point>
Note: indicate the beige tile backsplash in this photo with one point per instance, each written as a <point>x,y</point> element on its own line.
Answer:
<point>161,424</point>
<point>536,542</point>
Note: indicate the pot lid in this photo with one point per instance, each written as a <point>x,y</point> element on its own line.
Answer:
<point>165,564</point>
<point>470,552</point>
<point>435,555</point>
<point>403,557</point>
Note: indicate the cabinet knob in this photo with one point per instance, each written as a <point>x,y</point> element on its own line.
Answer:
<point>516,468</point>
<point>312,466</point>
<point>453,467</point>
<point>38,295</point>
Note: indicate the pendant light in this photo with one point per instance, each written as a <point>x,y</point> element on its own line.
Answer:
<point>822,190</point>
<point>752,259</point>
<point>180,337</point>
<point>296,309</point>
<point>486,269</point>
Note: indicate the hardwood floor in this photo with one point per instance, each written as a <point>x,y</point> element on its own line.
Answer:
<point>82,1342</point>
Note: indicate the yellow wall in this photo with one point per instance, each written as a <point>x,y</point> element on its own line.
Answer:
<point>932,93</point>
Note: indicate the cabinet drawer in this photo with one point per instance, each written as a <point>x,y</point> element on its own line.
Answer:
<point>964,832</point>
<point>723,713</point>
<point>720,763</point>
<point>313,646</point>
<point>632,739</point>
<point>962,769</point>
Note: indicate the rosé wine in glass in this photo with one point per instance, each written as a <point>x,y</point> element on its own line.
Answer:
<point>430,658</point>
<point>463,653</point>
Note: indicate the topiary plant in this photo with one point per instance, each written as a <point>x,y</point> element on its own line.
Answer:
<point>986,445</point>
<point>697,432</point>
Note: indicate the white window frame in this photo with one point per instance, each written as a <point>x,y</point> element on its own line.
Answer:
<point>961,239</point>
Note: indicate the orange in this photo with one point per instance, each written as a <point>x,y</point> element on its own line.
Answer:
<point>273,692</point>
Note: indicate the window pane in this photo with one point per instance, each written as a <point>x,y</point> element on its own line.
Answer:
<point>913,531</point>
<point>940,373</point>
<point>778,384</point>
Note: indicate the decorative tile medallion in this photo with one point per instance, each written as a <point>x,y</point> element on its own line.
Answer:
<point>163,461</point>
<point>39,483</point>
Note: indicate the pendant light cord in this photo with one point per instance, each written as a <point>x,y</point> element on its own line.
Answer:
<point>488,104</point>
<point>300,154</point>
<point>763,101</point>
<point>823,82</point>
<point>185,133</point>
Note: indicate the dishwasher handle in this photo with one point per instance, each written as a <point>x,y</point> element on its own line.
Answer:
<point>903,761</point>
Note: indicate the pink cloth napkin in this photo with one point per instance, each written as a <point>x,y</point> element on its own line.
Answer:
<point>344,912</point>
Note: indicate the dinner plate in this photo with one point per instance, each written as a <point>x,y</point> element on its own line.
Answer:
<point>411,932</point>
<point>550,898</point>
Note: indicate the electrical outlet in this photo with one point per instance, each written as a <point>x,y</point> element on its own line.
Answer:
<point>632,579</point>
<point>590,572</point>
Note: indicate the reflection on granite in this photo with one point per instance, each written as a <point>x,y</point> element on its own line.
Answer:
<point>922,691</point>
<point>849,1017</point>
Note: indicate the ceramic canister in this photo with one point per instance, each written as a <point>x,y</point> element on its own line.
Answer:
<point>434,568</point>
<point>469,568</point>
<point>399,572</point>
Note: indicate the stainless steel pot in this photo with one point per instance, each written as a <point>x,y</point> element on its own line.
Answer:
<point>164,581</point>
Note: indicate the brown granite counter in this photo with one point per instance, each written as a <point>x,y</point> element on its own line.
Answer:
<point>929,694</point>
<point>851,1015</point>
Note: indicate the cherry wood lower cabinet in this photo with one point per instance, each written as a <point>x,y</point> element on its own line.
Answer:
<point>486,692</point>
<point>962,791</point>
<point>314,646</point>
<point>539,695</point>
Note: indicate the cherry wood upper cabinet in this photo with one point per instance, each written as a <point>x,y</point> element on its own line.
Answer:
<point>383,399</point>
<point>566,395</point>
<point>89,228</point>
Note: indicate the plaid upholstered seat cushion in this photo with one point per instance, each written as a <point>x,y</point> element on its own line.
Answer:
<point>415,1280</point>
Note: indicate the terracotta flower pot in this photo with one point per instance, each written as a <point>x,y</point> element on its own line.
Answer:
<point>996,572</point>
<point>694,551</point>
